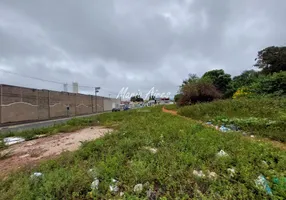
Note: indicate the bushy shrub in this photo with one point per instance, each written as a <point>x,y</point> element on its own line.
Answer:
<point>245,79</point>
<point>272,84</point>
<point>241,92</point>
<point>264,86</point>
<point>198,91</point>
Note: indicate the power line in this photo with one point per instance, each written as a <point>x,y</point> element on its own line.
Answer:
<point>51,81</point>
<point>111,92</point>
<point>31,77</point>
<point>56,82</point>
<point>41,79</point>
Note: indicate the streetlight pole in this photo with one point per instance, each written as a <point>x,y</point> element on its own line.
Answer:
<point>96,90</point>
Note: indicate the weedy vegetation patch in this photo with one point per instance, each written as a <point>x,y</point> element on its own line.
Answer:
<point>154,155</point>
<point>263,116</point>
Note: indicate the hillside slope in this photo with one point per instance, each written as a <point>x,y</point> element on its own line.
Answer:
<point>265,117</point>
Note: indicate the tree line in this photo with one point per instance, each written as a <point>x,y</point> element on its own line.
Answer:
<point>269,79</point>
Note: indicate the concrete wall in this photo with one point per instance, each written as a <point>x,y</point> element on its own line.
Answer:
<point>0,103</point>
<point>99,102</point>
<point>111,103</point>
<point>58,103</point>
<point>84,104</point>
<point>43,105</point>
<point>18,104</point>
<point>25,104</point>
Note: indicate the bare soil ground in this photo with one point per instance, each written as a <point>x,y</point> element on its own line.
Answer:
<point>31,152</point>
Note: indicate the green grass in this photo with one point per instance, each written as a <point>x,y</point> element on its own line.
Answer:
<point>69,126</point>
<point>182,147</point>
<point>265,117</point>
<point>171,107</point>
<point>2,145</point>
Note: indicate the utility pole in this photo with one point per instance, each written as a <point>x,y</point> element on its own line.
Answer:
<point>96,90</point>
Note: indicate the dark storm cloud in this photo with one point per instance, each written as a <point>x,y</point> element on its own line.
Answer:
<point>135,44</point>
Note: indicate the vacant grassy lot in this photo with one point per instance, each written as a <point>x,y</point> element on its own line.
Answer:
<point>166,171</point>
<point>265,117</point>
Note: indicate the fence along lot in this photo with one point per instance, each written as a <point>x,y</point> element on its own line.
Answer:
<point>19,104</point>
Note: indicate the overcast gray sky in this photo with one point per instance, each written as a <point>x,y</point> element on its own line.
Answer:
<point>138,44</point>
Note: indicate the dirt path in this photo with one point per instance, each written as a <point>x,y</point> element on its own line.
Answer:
<point>31,152</point>
<point>276,144</point>
<point>173,112</point>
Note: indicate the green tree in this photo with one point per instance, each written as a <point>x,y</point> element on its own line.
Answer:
<point>270,85</point>
<point>245,79</point>
<point>271,59</point>
<point>177,97</point>
<point>133,99</point>
<point>192,78</point>
<point>152,97</point>
<point>136,98</point>
<point>219,79</point>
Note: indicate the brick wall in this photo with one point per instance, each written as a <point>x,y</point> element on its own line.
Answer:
<point>25,104</point>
